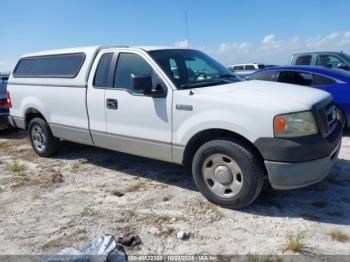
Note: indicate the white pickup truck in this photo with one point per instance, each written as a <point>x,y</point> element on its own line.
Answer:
<point>181,106</point>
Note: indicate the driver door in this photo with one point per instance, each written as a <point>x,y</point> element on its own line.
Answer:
<point>136,123</point>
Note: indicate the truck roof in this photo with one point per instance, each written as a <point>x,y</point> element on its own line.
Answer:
<point>92,49</point>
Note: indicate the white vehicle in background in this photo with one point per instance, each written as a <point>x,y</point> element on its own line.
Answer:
<point>180,106</point>
<point>244,70</point>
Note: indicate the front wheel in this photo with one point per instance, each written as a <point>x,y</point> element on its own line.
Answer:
<point>41,138</point>
<point>227,173</point>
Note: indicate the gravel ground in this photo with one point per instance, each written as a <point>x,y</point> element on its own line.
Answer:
<point>85,192</point>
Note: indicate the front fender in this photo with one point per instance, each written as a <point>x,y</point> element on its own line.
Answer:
<point>243,124</point>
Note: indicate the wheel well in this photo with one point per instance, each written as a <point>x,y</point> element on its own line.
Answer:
<point>30,114</point>
<point>207,135</point>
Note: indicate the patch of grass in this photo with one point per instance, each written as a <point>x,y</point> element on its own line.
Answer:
<point>294,242</point>
<point>263,258</point>
<point>319,204</point>
<point>80,163</point>
<point>83,161</point>
<point>21,180</point>
<point>337,235</point>
<point>252,258</point>
<point>16,167</point>
<point>4,145</point>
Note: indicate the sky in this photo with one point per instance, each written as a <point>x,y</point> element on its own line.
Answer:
<point>267,31</point>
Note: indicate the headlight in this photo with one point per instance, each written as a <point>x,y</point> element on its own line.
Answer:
<point>294,125</point>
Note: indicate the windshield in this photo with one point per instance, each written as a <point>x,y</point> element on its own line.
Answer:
<point>192,69</point>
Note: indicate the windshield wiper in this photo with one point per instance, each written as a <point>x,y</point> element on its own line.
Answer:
<point>201,84</point>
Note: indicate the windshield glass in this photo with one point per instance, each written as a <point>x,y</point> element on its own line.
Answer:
<point>192,69</point>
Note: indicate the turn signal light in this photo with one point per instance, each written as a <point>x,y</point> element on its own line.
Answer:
<point>280,124</point>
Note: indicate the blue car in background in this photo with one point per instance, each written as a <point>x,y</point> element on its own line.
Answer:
<point>4,106</point>
<point>334,81</point>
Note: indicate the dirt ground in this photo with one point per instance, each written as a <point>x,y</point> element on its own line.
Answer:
<point>84,193</point>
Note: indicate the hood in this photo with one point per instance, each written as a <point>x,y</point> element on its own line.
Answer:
<point>266,93</point>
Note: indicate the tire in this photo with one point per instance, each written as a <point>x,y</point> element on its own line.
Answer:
<point>41,138</point>
<point>341,117</point>
<point>227,173</point>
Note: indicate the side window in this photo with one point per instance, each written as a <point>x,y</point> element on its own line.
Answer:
<point>303,60</point>
<point>101,75</point>
<point>51,66</point>
<point>265,76</point>
<point>249,67</point>
<point>328,61</point>
<point>127,65</point>
<point>238,67</point>
<point>319,80</point>
<point>297,78</point>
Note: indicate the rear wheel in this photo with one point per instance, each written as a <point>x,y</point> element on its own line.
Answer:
<point>42,140</point>
<point>227,173</point>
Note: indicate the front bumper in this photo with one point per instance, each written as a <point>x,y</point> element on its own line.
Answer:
<point>284,175</point>
<point>298,162</point>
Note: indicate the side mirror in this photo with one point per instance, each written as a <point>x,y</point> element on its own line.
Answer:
<point>145,84</point>
<point>343,66</point>
<point>141,82</point>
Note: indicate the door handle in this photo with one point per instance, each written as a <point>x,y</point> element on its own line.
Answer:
<point>112,103</point>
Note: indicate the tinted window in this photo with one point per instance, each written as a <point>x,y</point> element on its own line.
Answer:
<point>261,66</point>
<point>127,65</point>
<point>303,60</point>
<point>101,76</point>
<point>266,76</point>
<point>293,77</point>
<point>50,66</point>
<point>249,67</point>
<point>328,61</point>
<point>319,80</point>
